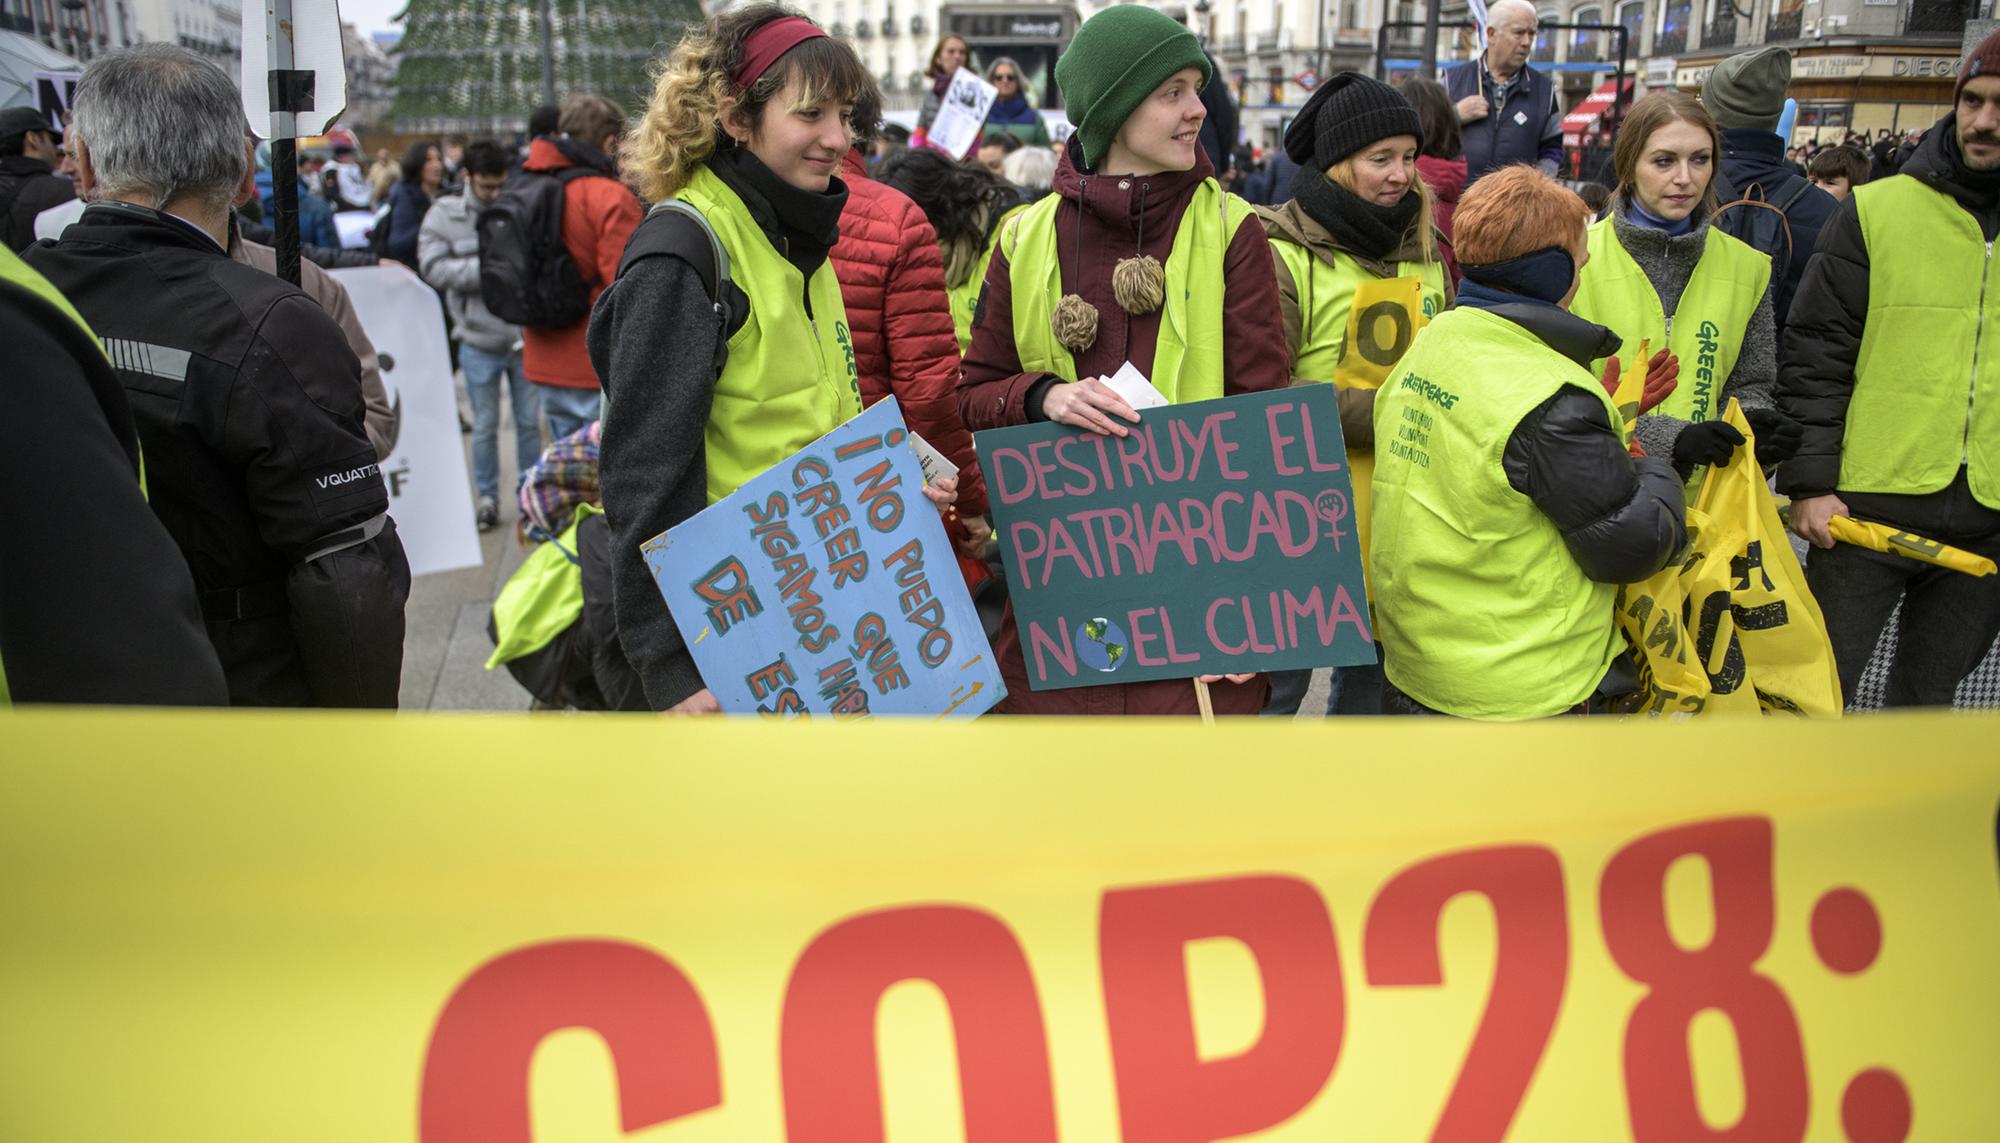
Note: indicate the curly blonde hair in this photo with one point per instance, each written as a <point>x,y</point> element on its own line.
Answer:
<point>682,126</point>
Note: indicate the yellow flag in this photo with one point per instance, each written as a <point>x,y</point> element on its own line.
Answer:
<point>1883,538</point>
<point>1632,388</point>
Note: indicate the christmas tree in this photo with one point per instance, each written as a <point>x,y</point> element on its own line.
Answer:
<point>475,66</point>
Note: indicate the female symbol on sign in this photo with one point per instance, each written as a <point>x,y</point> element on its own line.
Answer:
<point>1331,506</point>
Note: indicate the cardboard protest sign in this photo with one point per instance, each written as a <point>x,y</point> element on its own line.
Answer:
<point>504,929</point>
<point>1216,538</point>
<point>961,114</point>
<point>827,586</point>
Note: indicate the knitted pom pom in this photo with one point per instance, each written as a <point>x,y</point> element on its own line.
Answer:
<point>1139,284</point>
<point>1074,323</point>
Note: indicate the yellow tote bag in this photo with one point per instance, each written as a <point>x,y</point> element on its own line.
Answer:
<point>1733,628</point>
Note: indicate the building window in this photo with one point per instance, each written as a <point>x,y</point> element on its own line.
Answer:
<point>1545,36</point>
<point>1632,18</point>
<point>1672,35</point>
<point>1587,47</point>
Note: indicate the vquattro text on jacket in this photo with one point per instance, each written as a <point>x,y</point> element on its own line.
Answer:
<point>248,404</point>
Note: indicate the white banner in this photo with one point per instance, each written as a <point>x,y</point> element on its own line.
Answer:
<point>430,494</point>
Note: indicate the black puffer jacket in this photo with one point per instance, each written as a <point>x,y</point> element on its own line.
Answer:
<point>1621,518</point>
<point>1822,341</point>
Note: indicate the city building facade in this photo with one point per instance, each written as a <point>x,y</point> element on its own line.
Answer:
<point>80,29</point>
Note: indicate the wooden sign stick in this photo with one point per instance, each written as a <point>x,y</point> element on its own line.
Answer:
<point>1207,706</point>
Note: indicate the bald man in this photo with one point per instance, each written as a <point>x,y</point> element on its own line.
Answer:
<point>1509,109</point>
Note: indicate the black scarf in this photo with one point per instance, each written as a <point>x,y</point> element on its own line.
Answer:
<point>802,225</point>
<point>1361,227</point>
<point>1977,189</point>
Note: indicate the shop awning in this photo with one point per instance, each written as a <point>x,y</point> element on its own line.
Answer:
<point>1583,119</point>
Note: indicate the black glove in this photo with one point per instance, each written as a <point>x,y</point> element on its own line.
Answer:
<point>1711,442</point>
<point>1778,435</point>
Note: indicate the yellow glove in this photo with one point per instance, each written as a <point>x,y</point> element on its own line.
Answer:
<point>1882,538</point>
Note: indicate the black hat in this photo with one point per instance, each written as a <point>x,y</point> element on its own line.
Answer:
<point>18,121</point>
<point>1347,113</point>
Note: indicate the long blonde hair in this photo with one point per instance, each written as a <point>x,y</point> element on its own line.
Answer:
<point>682,126</point>
<point>1425,224</point>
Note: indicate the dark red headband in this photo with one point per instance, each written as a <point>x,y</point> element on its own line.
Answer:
<point>769,42</point>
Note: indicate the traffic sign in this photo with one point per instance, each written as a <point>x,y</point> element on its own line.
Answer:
<point>293,66</point>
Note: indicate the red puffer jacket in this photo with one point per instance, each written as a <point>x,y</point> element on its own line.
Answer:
<point>892,281</point>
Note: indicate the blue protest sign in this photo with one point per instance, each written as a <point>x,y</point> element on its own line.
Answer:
<point>827,586</point>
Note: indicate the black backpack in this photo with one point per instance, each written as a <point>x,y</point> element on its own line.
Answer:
<point>1760,221</point>
<point>526,274</point>
<point>673,228</point>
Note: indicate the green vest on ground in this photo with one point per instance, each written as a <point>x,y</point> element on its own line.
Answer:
<point>1326,302</point>
<point>542,598</point>
<point>965,298</point>
<point>1479,608</point>
<point>791,378</point>
<point>18,273</point>
<point>1926,394</point>
<point>1709,322</point>
<point>1187,362</point>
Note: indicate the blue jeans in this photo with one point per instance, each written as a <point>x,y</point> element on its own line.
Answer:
<point>569,410</point>
<point>482,385</point>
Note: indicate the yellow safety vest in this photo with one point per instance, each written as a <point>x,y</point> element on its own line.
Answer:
<point>1353,329</point>
<point>1707,326</point>
<point>965,298</point>
<point>1926,388</point>
<point>791,377</point>
<point>1187,362</point>
<point>542,598</point>
<point>1480,609</point>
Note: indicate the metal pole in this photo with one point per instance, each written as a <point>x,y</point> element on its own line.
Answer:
<point>284,135</point>
<point>543,14</point>
<point>1432,12</point>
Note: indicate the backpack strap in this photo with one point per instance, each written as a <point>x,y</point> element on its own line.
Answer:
<point>673,228</point>
<point>1798,190</point>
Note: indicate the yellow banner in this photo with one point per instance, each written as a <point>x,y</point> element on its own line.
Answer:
<point>503,929</point>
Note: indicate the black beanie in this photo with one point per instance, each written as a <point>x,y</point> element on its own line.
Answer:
<point>1347,113</point>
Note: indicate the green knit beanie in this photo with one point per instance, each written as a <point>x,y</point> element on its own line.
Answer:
<point>1113,63</point>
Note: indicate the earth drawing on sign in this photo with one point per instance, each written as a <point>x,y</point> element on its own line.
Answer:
<point>1100,644</point>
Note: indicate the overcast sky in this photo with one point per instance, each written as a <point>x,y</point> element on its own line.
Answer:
<point>371,15</point>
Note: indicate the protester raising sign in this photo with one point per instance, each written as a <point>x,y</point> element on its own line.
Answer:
<point>961,114</point>
<point>1215,538</point>
<point>827,586</point>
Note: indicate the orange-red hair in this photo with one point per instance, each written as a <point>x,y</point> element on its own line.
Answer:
<point>1514,211</point>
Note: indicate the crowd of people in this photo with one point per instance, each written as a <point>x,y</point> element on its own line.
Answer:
<point>675,302</point>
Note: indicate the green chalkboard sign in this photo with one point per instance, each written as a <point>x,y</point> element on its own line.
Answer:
<point>1215,538</point>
